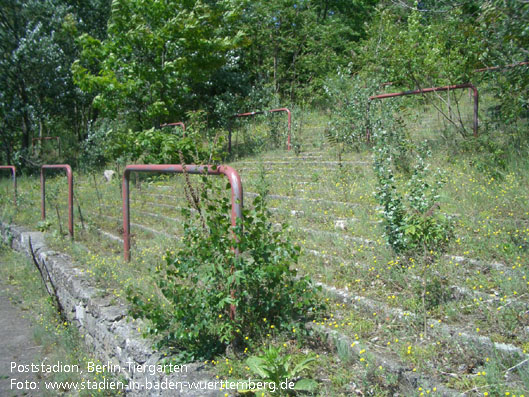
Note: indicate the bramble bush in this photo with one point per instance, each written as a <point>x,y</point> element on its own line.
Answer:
<point>191,314</point>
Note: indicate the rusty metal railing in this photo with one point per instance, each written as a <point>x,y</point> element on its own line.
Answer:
<point>14,176</point>
<point>426,90</point>
<point>249,114</point>
<point>69,175</point>
<point>178,123</point>
<point>512,65</point>
<point>46,138</point>
<point>236,196</point>
<point>229,172</point>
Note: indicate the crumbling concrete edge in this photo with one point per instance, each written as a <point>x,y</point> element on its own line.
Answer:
<point>108,332</point>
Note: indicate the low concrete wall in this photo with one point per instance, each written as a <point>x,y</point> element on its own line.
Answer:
<point>108,332</point>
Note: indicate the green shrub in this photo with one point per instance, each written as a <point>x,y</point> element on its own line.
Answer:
<point>277,368</point>
<point>353,113</point>
<point>413,224</point>
<point>109,142</point>
<point>192,311</point>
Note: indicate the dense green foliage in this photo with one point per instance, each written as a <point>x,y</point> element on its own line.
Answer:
<point>81,69</point>
<point>166,145</point>
<point>37,94</point>
<point>71,68</point>
<point>414,226</point>
<point>201,283</point>
<point>156,55</point>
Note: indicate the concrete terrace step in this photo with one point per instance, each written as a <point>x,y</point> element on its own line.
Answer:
<point>389,363</point>
<point>301,163</point>
<point>313,200</point>
<point>369,306</point>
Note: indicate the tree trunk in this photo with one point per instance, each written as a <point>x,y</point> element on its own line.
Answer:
<point>276,85</point>
<point>26,130</point>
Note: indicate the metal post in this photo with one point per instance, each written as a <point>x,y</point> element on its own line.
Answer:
<point>289,122</point>
<point>248,114</point>
<point>69,176</point>
<point>14,174</point>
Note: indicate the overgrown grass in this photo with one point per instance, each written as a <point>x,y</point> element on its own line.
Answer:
<point>479,289</point>
<point>59,340</point>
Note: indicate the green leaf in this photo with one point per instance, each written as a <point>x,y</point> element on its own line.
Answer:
<point>309,385</point>
<point>410,230</point>
<point>302,366</point>
<point>258,366</point>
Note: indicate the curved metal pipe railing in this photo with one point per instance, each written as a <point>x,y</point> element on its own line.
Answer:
<point>232,175</point>
<point>249,114</point>
<point>426,90</point>
<point>46,138</point>
<point>179,124</point>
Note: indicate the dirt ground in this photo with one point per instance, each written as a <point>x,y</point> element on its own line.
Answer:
<point>16,345</point>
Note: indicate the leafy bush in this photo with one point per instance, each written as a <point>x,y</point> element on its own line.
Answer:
<point>200,283</point>
<point>350,101</point>
<point>413,224</point>
<point>354,115</point>
<point>164,147</point>
<point>108,142</point>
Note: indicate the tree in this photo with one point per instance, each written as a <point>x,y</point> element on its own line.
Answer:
<point>154,54</point>
<point>37,94</point>
<point>503,25</point>
<point>295,45</point>
<point>418,48</point>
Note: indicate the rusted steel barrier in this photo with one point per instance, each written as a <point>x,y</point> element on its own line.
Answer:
<point>425,90</point>
<point>512,65</point>
<point>289,114</point>
<point>178,123</point>
<point>69,175</point>
<point>236,196</point>
<point>14,176</point>
<point>249,114</point>
<point>229,172</point>
<point>46,138</point>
